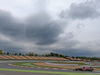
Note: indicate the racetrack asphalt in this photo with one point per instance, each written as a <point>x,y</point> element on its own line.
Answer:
<point>4,64</point>
<point>22,73</point>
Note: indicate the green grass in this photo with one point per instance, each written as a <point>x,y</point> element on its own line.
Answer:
<point>46,72</point>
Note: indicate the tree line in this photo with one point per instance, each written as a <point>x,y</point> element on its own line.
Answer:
<point>49,55</point>
<point>34,54</point>
<point>87,58</point>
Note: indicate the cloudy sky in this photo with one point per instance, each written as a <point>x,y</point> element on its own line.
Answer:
<point>69,27</point>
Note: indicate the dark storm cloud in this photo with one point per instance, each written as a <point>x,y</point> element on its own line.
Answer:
<point>79,52</point>
<point>68,40</point>
<point>38,28</point>
<point>81,10</point>
<point>42,29</point>
<point>9,46</point>
<point>39,32</point>
<point>9,25</point>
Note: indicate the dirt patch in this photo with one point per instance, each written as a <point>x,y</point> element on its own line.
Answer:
<point>96,68</point>
<point>44,64</point>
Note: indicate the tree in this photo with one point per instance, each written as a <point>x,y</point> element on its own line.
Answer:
<point>43,55</point>
<point>0,51</point>
<point>52,54</point>
<point>15,54</point>
<point>20,53</point>
<point>36,54</point>
<point>32,54</point>
<point>58,56</point>
<point>8,53</point>
<point>63,56</point>
<point>73,57</point>
<point>29,54</point>
<point>46,55</point>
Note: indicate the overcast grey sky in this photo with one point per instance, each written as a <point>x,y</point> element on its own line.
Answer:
<point>70,27</point>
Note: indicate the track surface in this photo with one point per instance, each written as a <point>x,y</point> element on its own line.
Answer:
<point>21,73</point>
<point>4,64</point>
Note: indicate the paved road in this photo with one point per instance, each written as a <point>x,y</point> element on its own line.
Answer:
<point>4,64</point>
<point>22,73</point>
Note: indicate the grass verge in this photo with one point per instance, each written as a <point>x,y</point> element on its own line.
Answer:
<point>46,72</point>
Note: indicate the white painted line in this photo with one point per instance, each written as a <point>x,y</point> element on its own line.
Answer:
<point>46,68</point>
<point>64,69</point>
<point>55,68</point>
